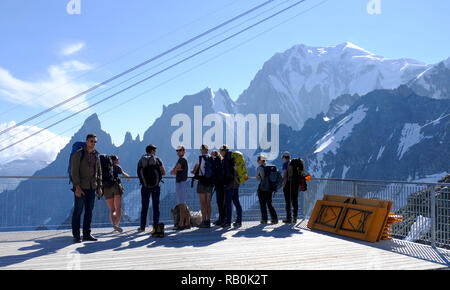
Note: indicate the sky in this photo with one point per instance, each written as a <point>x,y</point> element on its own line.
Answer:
<point>51,51</point>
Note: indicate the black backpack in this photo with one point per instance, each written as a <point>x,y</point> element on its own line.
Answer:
<point>150,171</point>
<point>272,180</point>
<point>217,170</point>
<point>107,166</point>
<point>296,172</point>
<point>228,169</point>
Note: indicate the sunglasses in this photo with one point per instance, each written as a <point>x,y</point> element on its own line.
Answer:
<point>92,141</point>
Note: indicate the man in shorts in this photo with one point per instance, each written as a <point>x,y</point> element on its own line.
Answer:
<point>181,185</point>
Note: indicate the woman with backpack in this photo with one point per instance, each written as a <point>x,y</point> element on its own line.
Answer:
<point>204,185</point>
<point>113,194</point>
<point>265,194</point>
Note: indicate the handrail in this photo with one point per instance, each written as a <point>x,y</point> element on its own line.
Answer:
<point>254,178</point>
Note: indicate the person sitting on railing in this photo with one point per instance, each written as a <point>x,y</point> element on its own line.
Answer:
<point>113,194</point>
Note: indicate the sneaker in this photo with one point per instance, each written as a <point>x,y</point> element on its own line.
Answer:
<point>90,238</point>
<point>225,225</point>
<point>237,224</point>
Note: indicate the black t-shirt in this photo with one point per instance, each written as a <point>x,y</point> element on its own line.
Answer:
<point>182,175</point>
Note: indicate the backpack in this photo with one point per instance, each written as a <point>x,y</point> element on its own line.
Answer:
<point>272,180</point>
<point>296,173</point>
<point>241,169</point>
<point>107,166</point>
<point>75,147</point>
<point>217,170</point>
<point>208,176</point>
<point>150,172</point>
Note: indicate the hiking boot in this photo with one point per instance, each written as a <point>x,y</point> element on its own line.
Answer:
<point>76,240</point>
<point>237,224</point>
<point>287,221</point>
<point>263,222</point>
<point>294,221</point>
<point>274,222</point>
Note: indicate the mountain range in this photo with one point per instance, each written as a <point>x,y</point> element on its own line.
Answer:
<point>347,112</point>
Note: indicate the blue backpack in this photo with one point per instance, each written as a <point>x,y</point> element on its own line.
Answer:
<point>75,147</point>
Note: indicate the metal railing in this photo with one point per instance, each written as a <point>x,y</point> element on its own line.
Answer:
<point>29,203</point>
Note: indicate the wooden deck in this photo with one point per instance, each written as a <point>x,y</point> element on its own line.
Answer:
<point>253,246</point>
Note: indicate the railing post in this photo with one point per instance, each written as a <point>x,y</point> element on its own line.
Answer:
<point>355,189</point>
<point>433,215</point>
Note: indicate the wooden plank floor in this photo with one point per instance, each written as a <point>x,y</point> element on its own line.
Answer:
<point>252,246</point>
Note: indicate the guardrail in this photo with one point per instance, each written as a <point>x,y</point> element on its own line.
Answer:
<point>40,202</point>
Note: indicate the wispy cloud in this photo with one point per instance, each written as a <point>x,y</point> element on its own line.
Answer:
<point>73,48</point>
<point>48,91</point>
<point>29,149</point>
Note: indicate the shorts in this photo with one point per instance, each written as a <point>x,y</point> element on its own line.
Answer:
<point>112,191</point>
<point>204,188</point>
<point>181,191</point>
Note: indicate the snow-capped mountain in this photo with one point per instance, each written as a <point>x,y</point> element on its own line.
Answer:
<point>434,82</point>
<point>386,134</point>
<point>301,82</point>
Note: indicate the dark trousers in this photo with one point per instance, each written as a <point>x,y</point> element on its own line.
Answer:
<point>220,198</point>
<point>291,199</point>
<point>265,201</point>
<point>146,192</point>
<point>85,201</point>
<point>232,195</point>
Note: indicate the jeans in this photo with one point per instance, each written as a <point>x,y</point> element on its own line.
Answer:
<point>220,197</point>
<point>146,192</point>
<point>291,199</point>
<point>265,201</point>
<point>232,195</point>
<point>85,201</point>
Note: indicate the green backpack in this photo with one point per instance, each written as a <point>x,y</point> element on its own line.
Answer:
<point>241,169</point>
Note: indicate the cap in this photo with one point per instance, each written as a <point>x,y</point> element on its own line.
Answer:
<point>224,147</point>
<point>286,154</point>
<point>180,148</point>
<point>204,146</point>
<point>262,157</point>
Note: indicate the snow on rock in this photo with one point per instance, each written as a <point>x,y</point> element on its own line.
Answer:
<point>420,227</point>
<point>330,142</point>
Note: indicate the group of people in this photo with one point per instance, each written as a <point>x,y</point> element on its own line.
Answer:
<point>215,172</point>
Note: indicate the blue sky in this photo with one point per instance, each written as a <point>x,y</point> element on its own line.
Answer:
<point>47,55</point>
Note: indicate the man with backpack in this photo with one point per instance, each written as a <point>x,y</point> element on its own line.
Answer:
<point>293,180</point>
<point>150,170</point>
<point>231,186</point>
<point>203,173</point>
<point>86,176</point>
<point>270,180</point>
